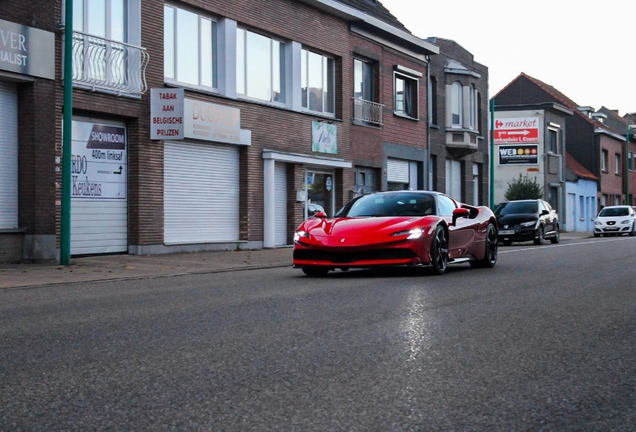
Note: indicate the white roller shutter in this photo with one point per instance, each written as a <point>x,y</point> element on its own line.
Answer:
<point>99,227</point>
<point>201,193</point>
<point>8,156</point>
<point>397,171</point>
<point>280,200</point>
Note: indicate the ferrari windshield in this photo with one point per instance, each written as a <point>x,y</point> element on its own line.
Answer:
<point>390,204</point>
<point>517,207</point>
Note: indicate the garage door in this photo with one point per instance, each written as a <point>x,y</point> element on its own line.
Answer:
<point>201,193</point>
<point>8,156</point>
<point>99,203</point>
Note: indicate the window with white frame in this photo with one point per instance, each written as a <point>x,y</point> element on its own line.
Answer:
<point>553,144</point>
<point>456,105</point>
<point>617,163</point>
<point>260,66</point>
<point>189,47</point>
<point>604,160</point>
<point>363,80</point>
<point>406,95</point>
<point>318,82</point>
<point>104,24</point>
<point>102,18</point>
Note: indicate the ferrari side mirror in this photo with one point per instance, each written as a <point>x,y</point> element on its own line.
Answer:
<point>459,213</point>
<point>320,214</point>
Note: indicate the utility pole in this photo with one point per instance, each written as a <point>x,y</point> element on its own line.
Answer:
<point>67,126</point>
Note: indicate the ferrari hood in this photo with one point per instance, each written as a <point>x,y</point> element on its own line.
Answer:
<point>359,231</point>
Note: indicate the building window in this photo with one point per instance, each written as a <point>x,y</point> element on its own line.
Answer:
<point>433,93</point>
<point>456,105</point>
<point>260,66</point>
<point>104,18</point>
<point>553,145</point>
<point>604,160</point>
<point>318,82</point>
<point>189,47</point>
<point>617,164</point>
<point>363,80</point>
<point>406,96</point>
<point>366,108</point>
<point>364,181</point>
<point>629,161</point>
<point>102,54</point>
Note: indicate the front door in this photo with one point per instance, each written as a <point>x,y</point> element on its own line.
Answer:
<point>320,192</point>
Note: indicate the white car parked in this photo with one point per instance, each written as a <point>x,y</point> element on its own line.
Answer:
<point>615,220</point>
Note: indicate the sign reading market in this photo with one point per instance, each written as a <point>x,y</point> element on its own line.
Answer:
<point>516,130</point>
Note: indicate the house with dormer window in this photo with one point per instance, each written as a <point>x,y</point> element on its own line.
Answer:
<point>458,113</point>
<point>591,141</point>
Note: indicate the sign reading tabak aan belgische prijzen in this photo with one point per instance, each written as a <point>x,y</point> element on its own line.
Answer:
<point>166,113</point>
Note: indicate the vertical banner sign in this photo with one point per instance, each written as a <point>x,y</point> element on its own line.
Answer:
<point>98,161</point>
<point>324,137</point>
<point>166,113</point>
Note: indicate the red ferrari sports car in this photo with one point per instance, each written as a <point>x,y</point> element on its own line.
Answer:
<point>400,228</point>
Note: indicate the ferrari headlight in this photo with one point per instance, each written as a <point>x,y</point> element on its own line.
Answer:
<point>528,224</point>
<point>298,234</point>
<point>413,234</point>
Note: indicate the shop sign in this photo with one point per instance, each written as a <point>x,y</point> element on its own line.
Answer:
<point>98,161</point>
<point>212,122</point>
<point>518,154</point>
<point>166,113</point>
<point>27,50</point>
<point>324,137</point>
<point>516,130</point>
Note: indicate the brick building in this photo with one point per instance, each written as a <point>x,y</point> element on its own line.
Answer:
<point>459,124</point>
<point>204,125</point>
<point>592,143</point>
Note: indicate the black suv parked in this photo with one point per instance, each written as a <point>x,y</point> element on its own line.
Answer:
<point>526,220</point>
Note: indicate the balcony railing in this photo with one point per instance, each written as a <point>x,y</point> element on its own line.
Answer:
<point>105,65</point>
<point>367,112</point>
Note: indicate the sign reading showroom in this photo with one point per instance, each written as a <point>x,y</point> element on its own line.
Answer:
<point>98,161</point>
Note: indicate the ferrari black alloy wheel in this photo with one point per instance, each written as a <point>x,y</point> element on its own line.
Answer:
<point>490,257</point>
<point>439,251</point>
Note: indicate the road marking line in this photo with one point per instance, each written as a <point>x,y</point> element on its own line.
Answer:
<point>530,248</point>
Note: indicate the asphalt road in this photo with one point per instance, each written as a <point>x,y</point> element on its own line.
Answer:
<point>544,341</point>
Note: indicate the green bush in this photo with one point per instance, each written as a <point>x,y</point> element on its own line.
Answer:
<point>523,188</point>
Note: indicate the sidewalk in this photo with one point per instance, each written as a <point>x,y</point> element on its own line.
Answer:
<point>124,266</point>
